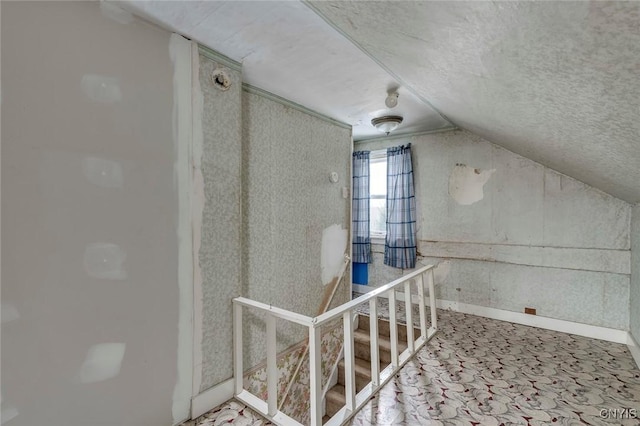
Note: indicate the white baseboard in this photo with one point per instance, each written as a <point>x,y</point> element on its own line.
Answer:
<point>586,330</point>
<point>211,398</point>
<point>564,326</point>
<point>634,348</point>
<point>362,289</point>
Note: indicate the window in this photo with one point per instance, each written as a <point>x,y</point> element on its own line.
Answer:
<point>378,193</point>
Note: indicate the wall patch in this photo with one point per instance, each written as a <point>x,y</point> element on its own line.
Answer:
<point>466,184</point>
<point>105,261</point>
<point>102,362</point>
<point>100,88</point>
<point>334,244</point>
<point>102,172</point>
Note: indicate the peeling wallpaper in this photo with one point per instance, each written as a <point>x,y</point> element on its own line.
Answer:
<point>536,238</point>
<point>466,184</point>
<point>220,250</point>
<point>634,303</point>
<point>288,202</point>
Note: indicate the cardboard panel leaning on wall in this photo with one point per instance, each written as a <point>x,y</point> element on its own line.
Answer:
<point>89,220</point>
<point>525,221</point>
<point>219,256</point>
<point>289,205</point>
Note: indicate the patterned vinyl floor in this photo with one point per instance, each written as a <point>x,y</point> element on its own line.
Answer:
<point>478,371</point>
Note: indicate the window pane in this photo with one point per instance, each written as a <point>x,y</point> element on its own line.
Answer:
<point>378,177</point>
<point>378,215</point>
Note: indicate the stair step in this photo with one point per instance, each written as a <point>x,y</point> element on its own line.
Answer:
<point>362,367</point>
<point>362,370</point>
<point>363,346</point>
<point>384,328</point>
<point>334,400</point>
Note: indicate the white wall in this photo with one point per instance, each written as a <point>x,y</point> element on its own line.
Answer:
<point>534,238</point>
<point>89,219</point>
<point>634,305</point>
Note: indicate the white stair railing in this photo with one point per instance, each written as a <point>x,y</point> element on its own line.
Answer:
<point>354,400</point>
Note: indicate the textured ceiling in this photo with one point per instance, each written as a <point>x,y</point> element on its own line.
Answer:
<point>557,82</point>
<point>287,49</point>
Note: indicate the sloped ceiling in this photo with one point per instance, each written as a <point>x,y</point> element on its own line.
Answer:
<point>557,82</point>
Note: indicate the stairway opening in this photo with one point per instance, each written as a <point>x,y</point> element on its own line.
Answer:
<point>335,397</point>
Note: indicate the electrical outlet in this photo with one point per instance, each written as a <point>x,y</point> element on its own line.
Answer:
<point>530,311</point>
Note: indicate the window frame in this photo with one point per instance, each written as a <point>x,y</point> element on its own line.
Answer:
<point>378,156</point>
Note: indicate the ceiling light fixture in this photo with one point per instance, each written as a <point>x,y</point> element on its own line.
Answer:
<point>387,123</point>
<point>392,100</point>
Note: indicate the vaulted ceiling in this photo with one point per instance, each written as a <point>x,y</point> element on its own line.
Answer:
<point>557,82</point>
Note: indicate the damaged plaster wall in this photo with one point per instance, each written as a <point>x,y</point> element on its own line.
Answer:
<point>90,295</point>
<point>289,205</point>
<point>634,302</point>
<point>531,237</point>
<point>466,184</point>
<point>219,254</point>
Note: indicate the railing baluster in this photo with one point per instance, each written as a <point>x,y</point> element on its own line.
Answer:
<point>272,368</point>
<point>393,324</point>
<point>354,401</point>
<point>375,350</point>
<point>349,370</point>
<point>422,306</point>
<point>432,300</point>
<point>409,316</point>
<point>315,376</point>
<point>237,347</point>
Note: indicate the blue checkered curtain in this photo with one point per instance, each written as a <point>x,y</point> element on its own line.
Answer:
<point>400,243</point>
<point>360,206</point>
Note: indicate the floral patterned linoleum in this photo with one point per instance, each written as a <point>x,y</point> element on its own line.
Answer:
<point>478,371</point>
<point>231,412</point>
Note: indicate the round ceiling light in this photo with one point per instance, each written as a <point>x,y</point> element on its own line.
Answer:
<point>392,100</point>
<point>387,123</point>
